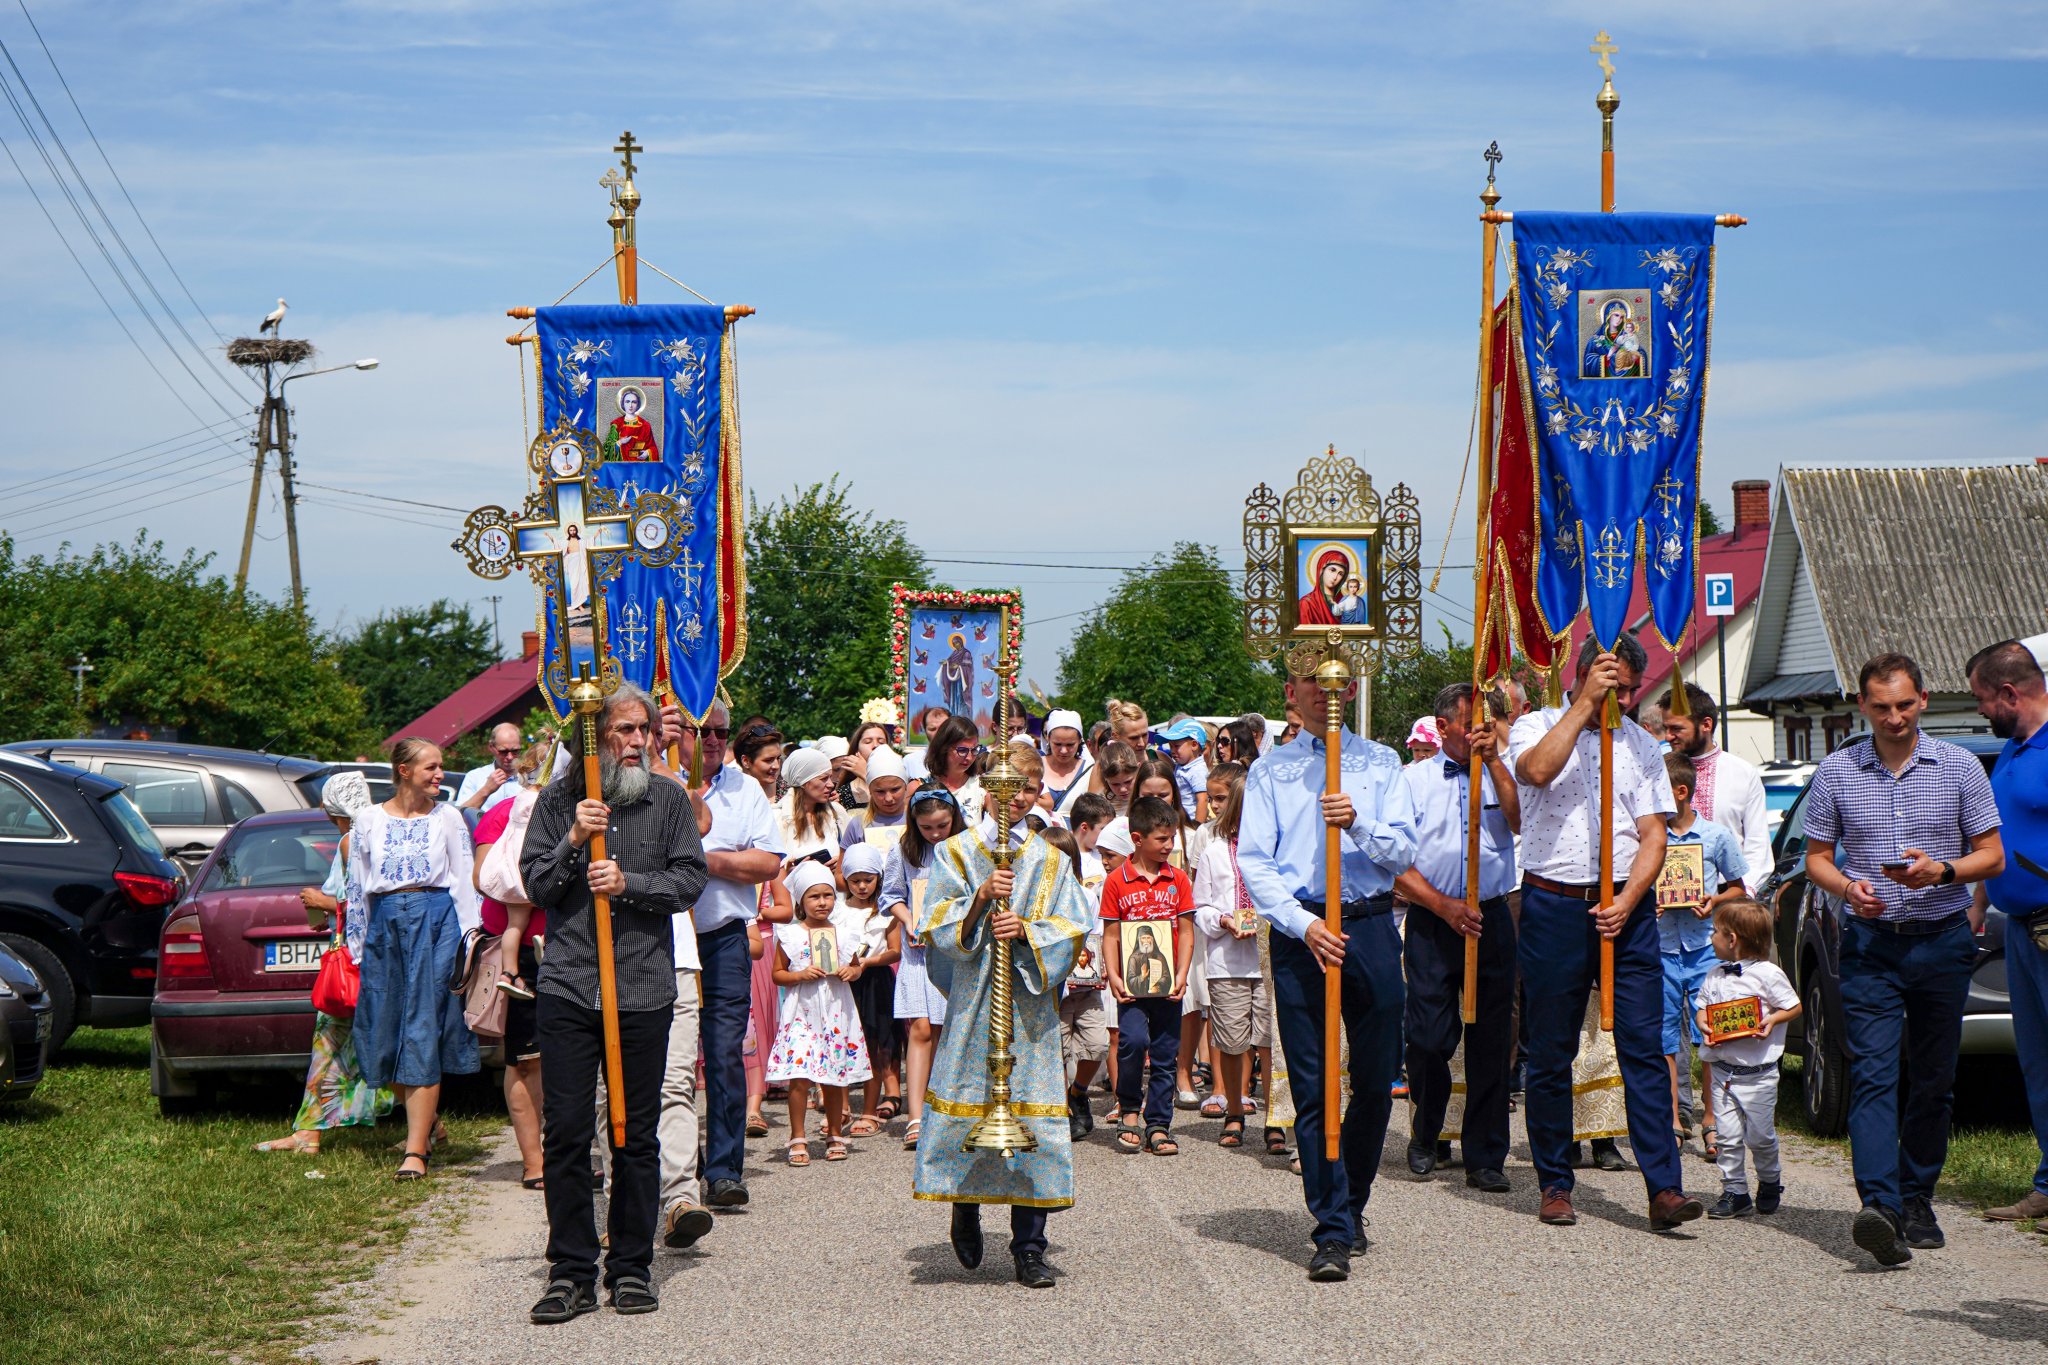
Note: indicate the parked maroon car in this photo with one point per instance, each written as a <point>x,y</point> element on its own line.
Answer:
<point>237,961</point>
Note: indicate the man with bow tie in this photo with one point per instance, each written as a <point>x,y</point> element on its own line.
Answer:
<point>1435,947</point>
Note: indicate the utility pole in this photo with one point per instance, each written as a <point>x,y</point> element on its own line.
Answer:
<point>291,500</point>
<point>263,448</point>
<point>497,643</point>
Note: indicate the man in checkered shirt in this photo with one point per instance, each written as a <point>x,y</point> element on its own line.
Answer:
<point>1897,827</point>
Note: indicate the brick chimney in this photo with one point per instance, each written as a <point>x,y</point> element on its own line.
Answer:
<point>529,644</point>
<point>1752,507</point>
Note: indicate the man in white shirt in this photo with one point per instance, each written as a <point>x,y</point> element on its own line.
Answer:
<point>742,850</point>
<point>1556,758</point>
<point>1434,946</point>
<point>1731,790</point>
<point>497,780</point>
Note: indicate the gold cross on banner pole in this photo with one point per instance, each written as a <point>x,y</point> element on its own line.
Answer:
<point>1604,48</point>
<point>626,147</point>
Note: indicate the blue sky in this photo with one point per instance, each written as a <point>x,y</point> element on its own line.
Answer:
<point>1049,282</point>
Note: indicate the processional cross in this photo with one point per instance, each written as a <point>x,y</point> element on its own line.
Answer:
<point>1603,47</point>
<point>626,147</point>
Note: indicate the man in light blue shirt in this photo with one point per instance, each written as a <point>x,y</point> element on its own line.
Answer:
<point>1435,944</point>
<point>1685,935</point>
<point>497,780</point>
<point>1280,853</point>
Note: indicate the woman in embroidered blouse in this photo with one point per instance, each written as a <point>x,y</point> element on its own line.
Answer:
<point>412,858</point>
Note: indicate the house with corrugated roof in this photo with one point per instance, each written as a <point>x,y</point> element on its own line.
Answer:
<point>1932,561</point>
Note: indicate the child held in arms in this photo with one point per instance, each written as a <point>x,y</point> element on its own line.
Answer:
<point>1037,904</point>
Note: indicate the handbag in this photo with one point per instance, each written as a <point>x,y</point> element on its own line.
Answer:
<point>339,983</point>
<point>483,1004</point>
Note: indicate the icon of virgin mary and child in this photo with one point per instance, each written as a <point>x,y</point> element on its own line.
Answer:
<point>1336,596</point>
<point>1618,350</point>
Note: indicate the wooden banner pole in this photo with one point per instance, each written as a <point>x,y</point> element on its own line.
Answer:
<point>588,700</point>
<point>1489,237</point>
<point>1333,676</point>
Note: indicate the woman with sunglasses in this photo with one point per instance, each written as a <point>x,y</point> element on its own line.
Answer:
<point>935,817</point>
<point>949,763</point>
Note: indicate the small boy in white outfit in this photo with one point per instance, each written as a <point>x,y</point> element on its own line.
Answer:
<point>1743,1063</point>
<point>1085,1035</point>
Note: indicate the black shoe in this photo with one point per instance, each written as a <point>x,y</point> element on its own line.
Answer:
<point>630,1296</point>
<point>1607,1156</point>
<point>1031,1269</point>
<point>727,1194</point>
<point>1080,1118</point>
<point>1360,1243</point>
<point>1918,1227</point>
<point>1443,1152</point>
<point>1421,1159</point>
<point>564,1301</point>
<point>1487,1181</point>
<point>1332,1262</point>
<point>1768,1197</point>
<point>967,1244</point>
<point>1732,1206</point>
<point>683,1225</point>
<point>1876,1230</point>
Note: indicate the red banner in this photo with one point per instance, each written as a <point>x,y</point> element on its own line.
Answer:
<point>1514,625</point>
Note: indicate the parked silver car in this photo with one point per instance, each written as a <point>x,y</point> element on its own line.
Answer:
<point>191,794</point>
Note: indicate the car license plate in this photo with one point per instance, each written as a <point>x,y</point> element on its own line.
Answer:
<point>293,954</point>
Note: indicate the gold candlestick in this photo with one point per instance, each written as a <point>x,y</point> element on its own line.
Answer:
<point>999,1129</point>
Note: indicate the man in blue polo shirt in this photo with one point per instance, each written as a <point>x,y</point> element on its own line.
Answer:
<point>2006,681</point>
<point>1897,828</point>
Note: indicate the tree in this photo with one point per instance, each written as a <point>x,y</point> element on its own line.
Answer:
<point>408,660</point>
<point>170,646</point>
<point>818,576</point>
<point>1170,638</point>
<point>1406,689</point>
<point>1710,523</point>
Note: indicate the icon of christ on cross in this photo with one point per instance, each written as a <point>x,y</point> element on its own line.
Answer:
<point>572,537</point>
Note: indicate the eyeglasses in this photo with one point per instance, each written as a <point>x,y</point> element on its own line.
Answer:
<point>712,731</point>
<point>506,752</point>
<point>965,750</point>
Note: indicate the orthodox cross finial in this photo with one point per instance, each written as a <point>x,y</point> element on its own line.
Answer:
<point>626,146</point>
<point>1493,160</point>
<point>1604,48</point>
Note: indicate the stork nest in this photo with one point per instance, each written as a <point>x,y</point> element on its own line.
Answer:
<point>255,352</point>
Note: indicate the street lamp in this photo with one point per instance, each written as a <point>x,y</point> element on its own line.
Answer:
<point>282,416</point>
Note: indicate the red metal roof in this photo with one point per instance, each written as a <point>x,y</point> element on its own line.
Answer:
<point>508,687</point>
<point>1725,553</point>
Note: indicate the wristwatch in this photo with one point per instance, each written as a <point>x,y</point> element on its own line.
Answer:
<point>1948,873</point>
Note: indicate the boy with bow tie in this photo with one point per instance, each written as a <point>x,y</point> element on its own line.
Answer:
<point>1743,1063</point>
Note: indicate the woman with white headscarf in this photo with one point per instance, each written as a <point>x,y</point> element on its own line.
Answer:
<point>336,1094</point>
<point>810,813</point>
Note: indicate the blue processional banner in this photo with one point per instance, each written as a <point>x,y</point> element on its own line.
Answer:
<point>1617,312</point>
<point>646,386</point>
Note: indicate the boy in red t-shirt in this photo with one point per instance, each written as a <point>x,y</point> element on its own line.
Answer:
<point>1146,952</point>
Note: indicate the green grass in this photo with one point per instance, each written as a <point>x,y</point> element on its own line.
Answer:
<point>128,1237</point>
<point>1991,1149</point>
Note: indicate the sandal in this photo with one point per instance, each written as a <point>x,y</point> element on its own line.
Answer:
<point>1213,1107</point>
<point>403,1174</point>
<point>1129,1134</point>
<point>887,1108</point>
<point>799,1152</point>
<point>1186,1099</point>
<point>757,1126</point>
<point>1200,1074</point>
<point>294,1143</point>
<point>835,1149</point>
<point>510,984</point>
<point>1276,1141</point>
<point>864,1125</point>
<point>1710,1142</point>
<point>1233,1133</point>
<point>911,1131</point>
<point>1160,1143</point>
<point>535,1182</point>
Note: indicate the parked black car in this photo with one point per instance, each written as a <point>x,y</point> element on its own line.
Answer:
<point>1809,930</point>
<point>84,886</point>
<point>24,1028</point>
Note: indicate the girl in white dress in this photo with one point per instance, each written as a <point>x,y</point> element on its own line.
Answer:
<point>818,1034</point>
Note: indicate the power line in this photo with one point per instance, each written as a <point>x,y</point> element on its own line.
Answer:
<point>179,471</point>
<point>384,497</point>
<point>101,521</point>
<point>161,253</point>
<point>85,471</point>
<point>78,175</point>
<point>35,139</point>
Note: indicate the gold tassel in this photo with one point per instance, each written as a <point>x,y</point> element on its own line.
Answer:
<point>1681,705</point>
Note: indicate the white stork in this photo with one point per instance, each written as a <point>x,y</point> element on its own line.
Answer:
<point>273,319</point>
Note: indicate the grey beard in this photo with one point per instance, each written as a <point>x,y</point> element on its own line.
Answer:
<point>622,783</point>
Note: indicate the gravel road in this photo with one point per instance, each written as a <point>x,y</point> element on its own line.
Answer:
<point>1203,1255</point>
